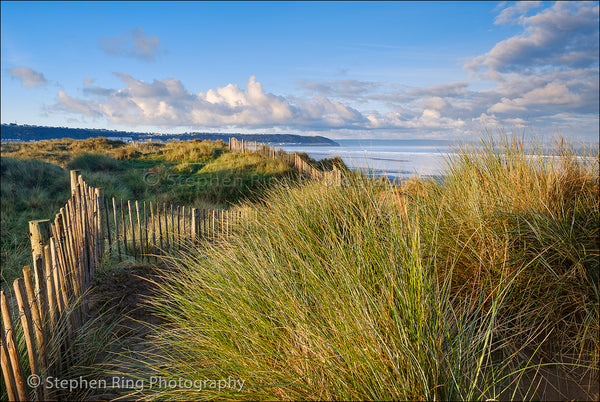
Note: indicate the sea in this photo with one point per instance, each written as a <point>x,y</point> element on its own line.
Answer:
<point>401,159</point>
<point>391,158</point>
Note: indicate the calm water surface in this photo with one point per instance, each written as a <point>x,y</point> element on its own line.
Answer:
<point>397,158</point>
<point>405,158</point>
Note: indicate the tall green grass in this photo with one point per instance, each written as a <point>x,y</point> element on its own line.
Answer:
<point>545,212</point>
<point>465,289</point>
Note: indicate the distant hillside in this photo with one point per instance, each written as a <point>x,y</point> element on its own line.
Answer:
<point>14,132</point>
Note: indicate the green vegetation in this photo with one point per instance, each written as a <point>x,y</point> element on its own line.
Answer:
<point>480,286</point>
<point>35,180</point>
<point>30,190</point>
<point>475,288</point>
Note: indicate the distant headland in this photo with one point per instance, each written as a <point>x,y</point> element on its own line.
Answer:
<point>23,133</point>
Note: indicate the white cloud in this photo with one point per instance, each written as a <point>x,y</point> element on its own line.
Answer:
<point>134,43</point>
<point>551,94</point>
<point>168,103</point>
<point>28,77</point>
<point>547,72</point>
<point>432,102</point>
<point>562,36</point>
<point>518,9</point>
<point>86,108</point>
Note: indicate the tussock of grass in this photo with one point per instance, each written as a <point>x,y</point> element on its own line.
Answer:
<point>194,150</point>
<point>513,211</point>
<point>246,162</point>
<point>450,290</point>
<point>94,163</point>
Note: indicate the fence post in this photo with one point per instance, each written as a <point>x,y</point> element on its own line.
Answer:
<point>38,324</point>
<point>9,338</point>
<point>100,231</point>
<point>117,235</point>
<point>132,229</point>
<point>74,180</point>
<point>9,382</point>
<point>39,235</point>
<point>26,323</point>
<point>49,281</point>
<point>194,225</point>
<point>106,209</point>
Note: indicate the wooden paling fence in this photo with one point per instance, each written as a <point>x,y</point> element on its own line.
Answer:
<point>146,230</point>
<point>50,299</point>
<point>294,160</point>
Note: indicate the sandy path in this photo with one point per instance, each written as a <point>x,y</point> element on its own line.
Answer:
<point>125,292</point>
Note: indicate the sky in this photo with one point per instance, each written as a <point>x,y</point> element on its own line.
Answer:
<point>439,70</point>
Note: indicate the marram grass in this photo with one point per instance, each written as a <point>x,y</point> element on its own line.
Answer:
<point>465,289</point>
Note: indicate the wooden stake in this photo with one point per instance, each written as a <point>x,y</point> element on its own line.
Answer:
<point>99,203</point>
<point>213,225</point>
<point>74,180</point>
<point>72,251</point>
<point>124,228</point>
<point>85,237</point>
<point>153,233</point>
<point>183,223</point>
<point>146,233</point>
<point>64,252</point>
<point>194,225</point>
<point>116,228</point>
<point>12,349</point>
<point>165,213</point>
<point>39,235</point>
<point>139,225</point>
<point>66,291</point>
<point>42,295</point>
<point>7,371</point>
<point>54,258</point>
<point>172,228</point>
<point>61,280</point>
<point>26,323</point>
<point>37,322</point>
<point>59,300</point>
<point>202,230</point>
<point>108,226</point>
<point>73,274</point>
<point>178,228</point>
<point>49,280</point>
<point>132,229</point>
<point>160,237</point>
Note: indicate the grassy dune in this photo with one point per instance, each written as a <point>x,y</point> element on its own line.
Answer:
<point>35,180</point>
<point>483,286</point>
<point>478,287</point>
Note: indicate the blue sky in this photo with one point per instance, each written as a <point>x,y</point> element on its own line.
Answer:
<point>338,69</point>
